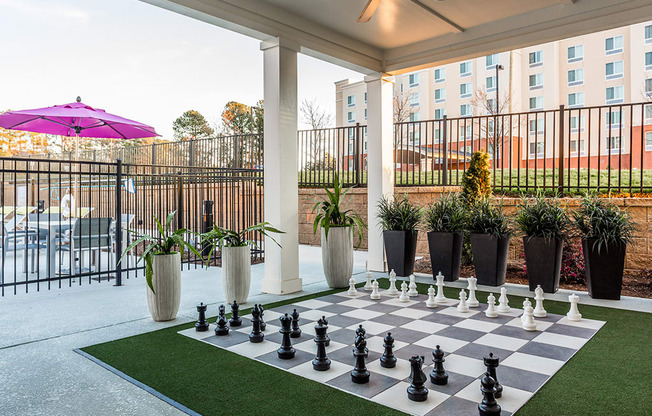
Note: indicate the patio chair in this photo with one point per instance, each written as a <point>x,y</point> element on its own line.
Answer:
<point>16,240</point>
<point>89,235</point>
<point>6,211</point>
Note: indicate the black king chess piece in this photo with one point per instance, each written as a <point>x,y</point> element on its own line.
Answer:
<point>491,363</point>
<point>286,351</point>
<point>263,325</point>
<point>201,324</point>
<point>296,331</point>
<point>222,328</point>
<point>416,391</point>
<point>360,374</point>
<point>256,334</point>
<point>235,315</point>
<point>438,376</point>
<point>328,339</point>
<point>321,361</point>
<point>388,360</point>
<point>488,406</point>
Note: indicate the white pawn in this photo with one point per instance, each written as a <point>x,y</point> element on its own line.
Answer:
<point>539,312</point>
<point>404,296</point>
<point>375,295</point>
<point>413,287</point>
<point>491,311</point>
<point>431,303</point>
<point>392,291</point>
<point>473,285</point>
<point>352,290</point>
<point>462,307</point>
<point>503,305</point>
<point>440,298</point>
<point>528,321</point>
<point>367,286</point>
<point>526,303</point>
<point>574,313</point>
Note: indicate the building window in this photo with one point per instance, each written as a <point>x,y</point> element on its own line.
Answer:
<point>648,113</point>
<point>414,80</point>
<point>440,113</point>
<point>437,136</point>
<point>576,99</point>
<point>536,58</point>
<point>648,87</point>
<point>351,100</point>
<point>577,124</point>
<point>536,103</point>
<point>491,83</point>
<point>536,81</point>
<point>365,98</point>
<point>613,144</point>
<point>613,45</point>
<point>573,147</point>
<point>648,61</point>
<point>491,61</point>
<point>575,53</point>
<point>648,34</point>
<point>465,132</point>
<point>491,106</point>
<point>351,116</point>
<point>413,138</point>
<point>365,113</point>
<point>466,90</point>
<point>537,126</point>
<point>575,77</point>
<point>465,110</point>
<point>440,74</point>
<point>536,149</point>
<point>440,95</point>
<point>614,70</point>
<point>648,139</point>
<point>414,117</point>
<point>414,99</point>
<point>613,119</point>
<point>466,68</point>
<point>615,95</point>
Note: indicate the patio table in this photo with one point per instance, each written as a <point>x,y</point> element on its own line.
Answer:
<point>52,228</point>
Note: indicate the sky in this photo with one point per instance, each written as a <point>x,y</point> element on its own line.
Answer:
<point>137,61</point>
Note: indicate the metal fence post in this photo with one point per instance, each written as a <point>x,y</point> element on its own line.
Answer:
<point>444,180</point>
<point>191,153</point>
<point>118,221</point>
<point>179,199</point>
<point>357,154</point>
<point>560,186</point>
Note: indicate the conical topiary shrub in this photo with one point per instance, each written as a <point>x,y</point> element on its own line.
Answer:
<point>476,182</point>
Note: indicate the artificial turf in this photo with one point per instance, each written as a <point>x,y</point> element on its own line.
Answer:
<point>610,375</point>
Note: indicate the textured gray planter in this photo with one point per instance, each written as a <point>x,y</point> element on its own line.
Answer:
<point>166,280</point>
<point>337,255</point>
<point>236,273</point>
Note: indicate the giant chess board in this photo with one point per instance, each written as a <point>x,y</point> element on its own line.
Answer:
<point>527,359</point>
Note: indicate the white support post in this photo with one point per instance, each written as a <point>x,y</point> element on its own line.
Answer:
<point>280,161</point>
<point>380,166</point>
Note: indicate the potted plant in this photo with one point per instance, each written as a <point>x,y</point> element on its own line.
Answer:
<point>446,222</point>
<point>236,256</point>
<point>337,227</point>
<point>490,233</point>
<point>399,219</point>
<point>162,257</point>
<point>544,224</point>
<point>605,232</point>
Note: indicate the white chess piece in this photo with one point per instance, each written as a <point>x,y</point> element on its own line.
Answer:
<point>462,307</point>
<point>440,298</point>
<point>392,291</point>
<point>491,311</point>
<point>503,305</point>
<point>574,313</point>
<point>368,286</point>
<point>431,303</point>
<point>539,312</point>
<point>526,303</point>
<point>528,320</point>
<point>352,290</point>
<point>413,287</point>
<point>404,297</point>
<point>473,285</point>
<point>375,295</point>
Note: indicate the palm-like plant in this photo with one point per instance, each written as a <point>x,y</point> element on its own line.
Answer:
<point>223,237</point>
<point>447,215</point>
<point>542,217</point>
<point>398,214</point>
<point>330,213</point>
<point>603,221</point>
<point>486,218</point>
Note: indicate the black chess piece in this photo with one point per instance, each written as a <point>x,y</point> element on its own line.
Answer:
<point>360,374</point>
<point>286,351</point>
<point>222,328</point>
<point>256,334</point>
<point>328,339</point>
<point>201,324</point>
<point>296,331</point>
<point>416,391</point>
<point>488,406</point>
<point>321,361</point>
<point>491,363</point>
<point>388,360</point>
<point>263,325</point>
<point>235,315</point>
<point>438,376</point>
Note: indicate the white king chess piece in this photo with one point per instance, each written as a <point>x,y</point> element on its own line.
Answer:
<point>503,302</point>
<point>367,286</point>
<point>462,307</point>
<point>352,290</point>
<point>375,295</point>
<point>526,303</point>
<point>539,312</point>
<point>491,311</point>
<point>574,313</point>
<point>392,291</point>
<point>413,287</point>
<point>473,285</point>
<point>440,298</point>
<point>528,317</point>
<point>430,302</point>
<point>404,296</point>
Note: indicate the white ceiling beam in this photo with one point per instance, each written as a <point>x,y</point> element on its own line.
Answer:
<point>439,16</point>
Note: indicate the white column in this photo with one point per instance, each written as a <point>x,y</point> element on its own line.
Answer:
<point>280,153</point>
<point>380,163</point>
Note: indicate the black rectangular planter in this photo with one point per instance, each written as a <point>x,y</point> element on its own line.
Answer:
<point>400,250</point>
<point>604,269</point>
<point>543,261</point>
<point>445,254</point>
<point>490,258</point>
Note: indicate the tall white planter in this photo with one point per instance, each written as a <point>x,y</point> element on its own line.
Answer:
<point>337,255</point>
<point>236,273</point>
<point>166,280</point>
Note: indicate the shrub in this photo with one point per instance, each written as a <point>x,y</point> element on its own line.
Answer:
<point>476,182</point>
<point>601,219</point>
<point>447,215</point>
<point>398,214</point>
<point>542,217</point>
<point>486,218</point>
<point>572,263</point>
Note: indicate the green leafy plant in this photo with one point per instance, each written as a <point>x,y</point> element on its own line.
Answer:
<point>164,243</point>
<point>447,215</point>
<point>476,181</point>
<point>542,217</point>
<point>486,218</point>
<point>223,237</point>
<point>331,213</point>
<point>398,214</point>
<point>599,218</point>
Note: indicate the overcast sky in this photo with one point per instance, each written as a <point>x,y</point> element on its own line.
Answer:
<point>136,60</point>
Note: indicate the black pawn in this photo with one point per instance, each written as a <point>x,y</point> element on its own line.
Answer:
<point>235,315</point>
<point>222,328</point>
<point>438,376</point>
<point>201,324</point>
<point>488,406</point>
<point>491,363</point>
<point>388,360</point>
<point>286,351</point>
<point>417,392</point>
<point>296,331</point>
<point>360,374</point>
<point>256,334</point>
<point>263,325</point>
<point>321,361</point>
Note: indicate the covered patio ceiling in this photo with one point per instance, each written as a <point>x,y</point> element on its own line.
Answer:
<point>405,35</point>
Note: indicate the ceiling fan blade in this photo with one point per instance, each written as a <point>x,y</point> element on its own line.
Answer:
<point>368,11</point>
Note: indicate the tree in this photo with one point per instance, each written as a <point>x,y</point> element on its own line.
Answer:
<point>318,119</point>
<point>402,107</point>
<point>476,182</point>
<point>237,118</point>
<point>497,129</point>
<point>21,143</point>
<point>191,125</point>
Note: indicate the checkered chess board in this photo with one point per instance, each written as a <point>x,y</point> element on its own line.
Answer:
<point>527,359</point>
